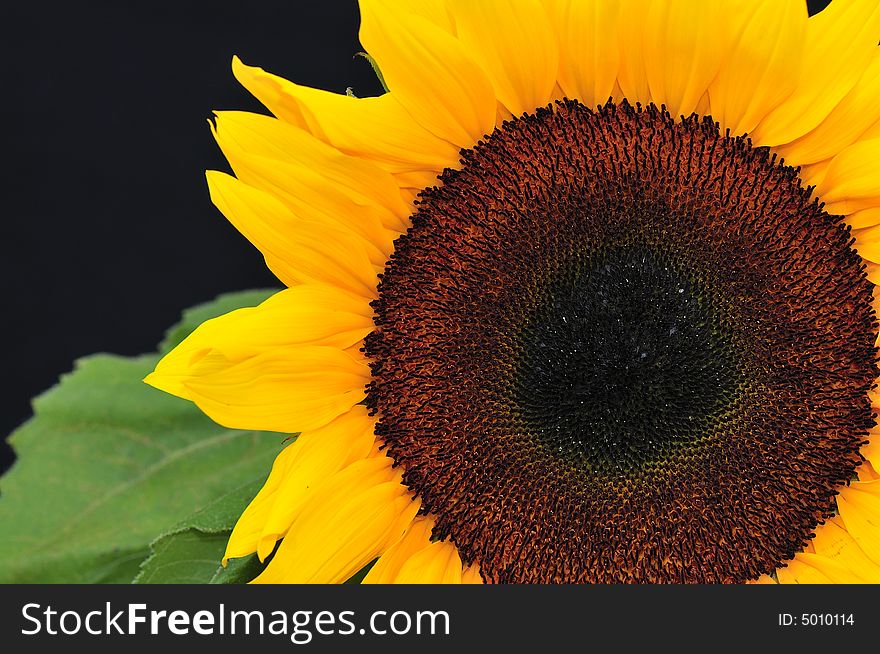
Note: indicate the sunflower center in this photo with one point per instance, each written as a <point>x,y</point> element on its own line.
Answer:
<point>622,360</point>
<point>618,348</point>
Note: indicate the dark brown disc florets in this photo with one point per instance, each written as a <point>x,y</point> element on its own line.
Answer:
<point>618,348</point>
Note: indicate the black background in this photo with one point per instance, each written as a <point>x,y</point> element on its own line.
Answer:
<point>108,231</point>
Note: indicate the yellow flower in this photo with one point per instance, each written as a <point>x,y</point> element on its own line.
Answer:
<point>538,329</point>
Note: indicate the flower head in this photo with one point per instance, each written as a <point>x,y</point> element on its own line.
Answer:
<point>587,296</point>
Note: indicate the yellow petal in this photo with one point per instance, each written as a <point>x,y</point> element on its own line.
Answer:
<point>435,11</point>
<point>320,166</point>
<point>515,46</point>
<point>859,507</point>
<point>379,128</point>
<point>257,393</point>
<point>760,65</point>
<point>833,543</point>
<point>764,579</point>
<point>310,198</point>
<point>416,538</point>
<point>304,315</point>
<point>430,73</point>
<point>298,470</point>
<point>873,272</point>
<point>631,75</point>
<point>841,42</point>
<point>285,389</point>
<point>866,472</point>
<point>868,242</point>
<point>873,132</point>
<point>846,123</point>
<point>799,571</point>
<point>852,179</point>
<point>807,568</point>
<point>871,451</point>
<point>682,51</point>
<point>471,574</point>
<point>412,183</point>
<point>589,50</point>
<point>813,174</point>
<point>245,536</point>
<point>864,218</point>
<point>298,251</point>
<point>351,519</point>
<point>438,563</point>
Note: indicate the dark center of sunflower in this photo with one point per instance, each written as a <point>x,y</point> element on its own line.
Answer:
<point>617,348</point>
<point>622,361</point>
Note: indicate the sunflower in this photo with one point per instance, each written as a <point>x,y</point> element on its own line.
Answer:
<point>586,296</point>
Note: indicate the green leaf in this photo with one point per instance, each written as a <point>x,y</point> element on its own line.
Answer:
<point>186,557</point>
<point>108,463</point>
<point>239,571</point>
<point>190,552</point>
<point>192,557</point>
